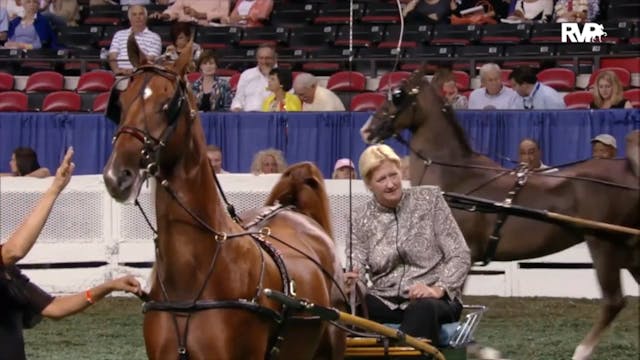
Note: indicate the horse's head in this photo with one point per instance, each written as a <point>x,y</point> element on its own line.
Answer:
<point>154,118</point>
<point>398,112</point>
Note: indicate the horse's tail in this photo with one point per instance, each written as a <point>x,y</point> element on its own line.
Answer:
<point>302,185</point>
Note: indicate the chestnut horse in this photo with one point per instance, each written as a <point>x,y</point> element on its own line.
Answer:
<point>601,190</point>
<point>207,299</point>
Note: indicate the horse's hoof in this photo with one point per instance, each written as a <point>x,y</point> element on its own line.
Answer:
<point>582,352</point>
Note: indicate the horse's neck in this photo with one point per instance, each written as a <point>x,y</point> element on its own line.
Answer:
<point>440,142</point>
<point>186,248</point>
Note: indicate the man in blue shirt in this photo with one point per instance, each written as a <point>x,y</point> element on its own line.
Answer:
<point>534,95</point>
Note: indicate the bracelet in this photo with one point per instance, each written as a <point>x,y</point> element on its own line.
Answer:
<point>88,297</point>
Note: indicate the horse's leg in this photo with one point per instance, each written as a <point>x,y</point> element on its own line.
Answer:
<point>607,259</point>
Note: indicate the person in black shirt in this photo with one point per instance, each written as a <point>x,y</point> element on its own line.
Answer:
<point>22,303</point>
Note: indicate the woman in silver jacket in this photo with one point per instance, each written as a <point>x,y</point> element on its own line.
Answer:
<point>407,249</point>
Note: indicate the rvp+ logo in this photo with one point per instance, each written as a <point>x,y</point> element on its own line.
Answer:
<point>591,32</point>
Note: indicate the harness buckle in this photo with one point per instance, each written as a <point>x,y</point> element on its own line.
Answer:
<point>265,231</point>
<point>292,288</point>
<point>221,237</point>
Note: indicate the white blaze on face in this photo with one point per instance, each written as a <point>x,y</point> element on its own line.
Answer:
<point>147,93</point>
<point>365,130</point>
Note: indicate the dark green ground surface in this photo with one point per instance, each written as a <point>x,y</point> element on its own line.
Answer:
<point>522,328</point>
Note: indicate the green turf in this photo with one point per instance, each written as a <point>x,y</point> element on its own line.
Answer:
<point>522,328</point>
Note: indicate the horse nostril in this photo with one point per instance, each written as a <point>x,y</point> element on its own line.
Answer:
<point>125,179</point>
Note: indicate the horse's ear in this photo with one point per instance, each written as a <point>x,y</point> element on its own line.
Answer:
<point>136,56</point>
<point>183,63</point>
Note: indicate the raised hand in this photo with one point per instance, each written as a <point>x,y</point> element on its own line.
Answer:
<point>64,172</point>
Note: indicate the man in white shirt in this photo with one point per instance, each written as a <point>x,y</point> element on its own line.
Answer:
<point>148,41</point>
<point>252,85</point>
<point>493,94</point>
<point>530,154</point>
<point>534,95</point>
<point>315,97</point>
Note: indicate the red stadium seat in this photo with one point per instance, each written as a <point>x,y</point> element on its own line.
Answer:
<point>560,79</point>
<point>392,79</point>
<point>578,100</point>
<point>96,81</point>
<point>347,81</point>
<point>226,72</point>
<point>100,102</point>
<point>13,101</point>
<point>504,74</point>
<point>44,81</point>
<point>62,101</point>
<point>633,96</point>
<point>367,101</point>
<point>233,81</point>
<point>623,74</point>
<point>193,76</point>
<point>463,82</point>
<point>6,81</point>
<point>631,64</point>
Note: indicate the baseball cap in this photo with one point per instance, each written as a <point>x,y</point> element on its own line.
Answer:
<point>344,163</point>
<point>606,139</point>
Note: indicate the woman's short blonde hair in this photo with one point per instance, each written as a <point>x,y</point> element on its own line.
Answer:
<point>616,85</point>
<point>373,156</point>
<point>256,165</point>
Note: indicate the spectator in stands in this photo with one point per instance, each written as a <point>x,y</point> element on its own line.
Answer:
<point>14,9</point>
<point>180,34</point>
<point>249,13</point>
<point>4,25</point>
<point>148,41</point>
<point>344,169</point>
<point>212,92</point>
<point>252,85</point>
<point>61,13</point>
<point>22,302</point>
<point>577,11</point>
<point>500,7</point>
<point>493,94</point>
<point>199,11</point>
<point>24,162</point>
<point>32,31</point>
<point>533,94</point>
<point>214,153</point>
<point>269,161</point>
<point>531,155</point>
<point>608,92</point>
<point>451,95</point>
<point>429,11</point>
<point>315,97</point>
<point>281,99</point>
<point>532,11</point>
<point>632,149</point>
<point>408,246</point>
<point>604,146</point>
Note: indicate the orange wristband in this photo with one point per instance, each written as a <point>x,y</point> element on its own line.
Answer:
<point>88,297</point>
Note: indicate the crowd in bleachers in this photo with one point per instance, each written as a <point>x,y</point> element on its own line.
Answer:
<point>71,37</point>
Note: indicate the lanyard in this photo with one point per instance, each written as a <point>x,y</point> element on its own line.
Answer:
<point>529,104</point>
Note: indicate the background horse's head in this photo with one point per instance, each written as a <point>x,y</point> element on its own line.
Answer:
<point>399,110</point>
<point>154,118</point>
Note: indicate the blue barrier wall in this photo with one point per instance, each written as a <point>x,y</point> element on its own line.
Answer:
<point>320,137</point>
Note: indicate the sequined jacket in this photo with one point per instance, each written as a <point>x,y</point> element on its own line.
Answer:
<point>418,241</point>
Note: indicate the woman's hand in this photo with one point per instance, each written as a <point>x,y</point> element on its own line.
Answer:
<point>126,283</point>
<point>64,172</point>
<point>420,290</point>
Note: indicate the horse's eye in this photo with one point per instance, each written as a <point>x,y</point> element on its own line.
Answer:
<point>397,96</point>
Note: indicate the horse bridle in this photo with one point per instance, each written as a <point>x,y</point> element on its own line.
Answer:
<point>151,146</point>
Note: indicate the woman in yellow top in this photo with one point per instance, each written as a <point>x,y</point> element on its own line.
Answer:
<point>280,81</point>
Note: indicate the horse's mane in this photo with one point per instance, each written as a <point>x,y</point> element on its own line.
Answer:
<point>302,185</point>
<point>418,79</point>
